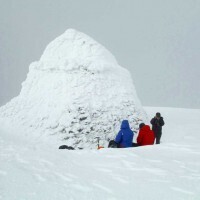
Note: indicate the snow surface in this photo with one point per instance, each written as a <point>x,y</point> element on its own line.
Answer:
<point>31,170</point>
<point>74,93</point>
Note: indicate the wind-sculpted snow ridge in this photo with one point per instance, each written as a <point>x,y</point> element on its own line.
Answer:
<point>76,92</point>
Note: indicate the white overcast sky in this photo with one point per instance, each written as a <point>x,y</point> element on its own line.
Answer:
<point>157,41</point>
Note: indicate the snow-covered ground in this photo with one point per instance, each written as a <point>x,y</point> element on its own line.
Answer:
<point>33,170</point>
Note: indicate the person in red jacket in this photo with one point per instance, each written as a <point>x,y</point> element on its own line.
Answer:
<point>146,135</point>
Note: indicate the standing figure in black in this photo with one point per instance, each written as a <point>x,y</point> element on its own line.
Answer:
<point>157,123</point>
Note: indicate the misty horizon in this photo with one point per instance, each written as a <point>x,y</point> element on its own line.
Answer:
<point>158,42</point>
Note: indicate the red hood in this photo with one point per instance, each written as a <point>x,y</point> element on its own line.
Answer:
<point>145,128</point>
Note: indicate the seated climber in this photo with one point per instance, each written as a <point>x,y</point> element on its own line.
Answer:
<point>125,136</point>
<point>146,135</point>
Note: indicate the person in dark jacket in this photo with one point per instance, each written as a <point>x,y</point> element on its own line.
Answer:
<point>125,136</point>
<point>157,123</point>
<point>146,135</point>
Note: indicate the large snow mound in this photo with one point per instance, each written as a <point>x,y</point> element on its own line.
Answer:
<point>76,92</point>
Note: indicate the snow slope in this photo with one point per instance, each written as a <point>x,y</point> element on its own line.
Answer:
<point>169,171</point>
<point>75,92</point>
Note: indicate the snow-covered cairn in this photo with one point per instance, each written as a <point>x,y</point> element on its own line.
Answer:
<point>76,91</point>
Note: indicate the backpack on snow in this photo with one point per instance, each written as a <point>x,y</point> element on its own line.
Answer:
<point>66,147</point>
<point>112,144</point>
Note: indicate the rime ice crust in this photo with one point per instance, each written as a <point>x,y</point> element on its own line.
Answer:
<point>76,92</point>
<point>73,50</point>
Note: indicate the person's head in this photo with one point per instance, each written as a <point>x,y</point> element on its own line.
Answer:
<point>158,115</point>
<point>141,125</point>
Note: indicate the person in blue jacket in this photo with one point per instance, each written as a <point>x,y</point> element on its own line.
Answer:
<point>124,138</point>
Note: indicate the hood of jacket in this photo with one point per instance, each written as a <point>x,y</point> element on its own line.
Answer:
<point>146,128</point>
<point>125,124</point>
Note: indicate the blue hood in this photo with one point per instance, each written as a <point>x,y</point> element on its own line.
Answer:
<point>125,124</point>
